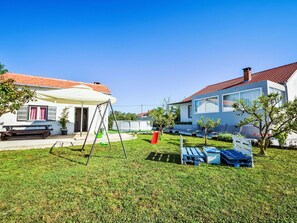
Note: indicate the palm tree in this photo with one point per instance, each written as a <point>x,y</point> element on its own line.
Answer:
<point>2,70</point>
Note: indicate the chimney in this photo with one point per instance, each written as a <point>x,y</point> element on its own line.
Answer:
<point>247,74</point>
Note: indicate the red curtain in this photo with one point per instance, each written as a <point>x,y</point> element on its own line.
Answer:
<point>42,113</point>
<point>33,113</point>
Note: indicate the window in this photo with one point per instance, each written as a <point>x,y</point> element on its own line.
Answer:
<point>37,113</point>
<point>207,105</point>
<point>190,111</point>
<point>281,93</point>
<point>229,100</point>
<point>248,96</point>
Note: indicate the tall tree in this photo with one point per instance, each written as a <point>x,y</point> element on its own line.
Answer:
<point>270,117</point>
<point>12,98</point>
<point>207,125</point>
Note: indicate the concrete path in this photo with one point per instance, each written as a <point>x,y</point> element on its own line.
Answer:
<point>23,144</point>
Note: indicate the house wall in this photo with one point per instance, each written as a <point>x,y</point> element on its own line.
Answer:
<point>292,87</point>
<point>184,117</point>
<point>11,119</point>
<point>229,119</point>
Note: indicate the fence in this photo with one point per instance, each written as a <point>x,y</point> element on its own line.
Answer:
<point>132,126</point>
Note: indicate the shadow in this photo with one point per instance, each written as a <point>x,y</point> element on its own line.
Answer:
<point>147,140</point>
<point>108,157</point>
<point>174,143</point>
<point>68,159</point>
<point>164,157</point>
<point>76,150</point>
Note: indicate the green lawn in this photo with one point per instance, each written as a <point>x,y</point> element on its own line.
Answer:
<point>36,186</point>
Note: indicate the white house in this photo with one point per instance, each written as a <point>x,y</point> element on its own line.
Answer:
<point>44,112</point>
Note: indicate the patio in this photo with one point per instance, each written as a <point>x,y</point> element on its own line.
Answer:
<point>51,140</point>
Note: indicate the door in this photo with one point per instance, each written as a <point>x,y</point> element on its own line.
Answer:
<point>84,120</point>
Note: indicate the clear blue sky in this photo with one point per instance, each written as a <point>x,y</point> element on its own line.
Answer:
<point>145,51</point>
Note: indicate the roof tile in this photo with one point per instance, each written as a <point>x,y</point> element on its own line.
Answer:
<point>279,75</point>
<point>29,80</point>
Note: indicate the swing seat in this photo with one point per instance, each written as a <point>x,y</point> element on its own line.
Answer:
<point>103,143</point>
<point>99,135</point>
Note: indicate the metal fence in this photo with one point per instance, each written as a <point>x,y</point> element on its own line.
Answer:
<point>133,126</point>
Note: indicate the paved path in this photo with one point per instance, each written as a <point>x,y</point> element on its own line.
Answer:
<point>51,140</point>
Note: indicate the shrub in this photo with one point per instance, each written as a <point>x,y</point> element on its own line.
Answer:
<point>227,137</point>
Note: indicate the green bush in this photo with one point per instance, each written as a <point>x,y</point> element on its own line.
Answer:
<point>227,137</point>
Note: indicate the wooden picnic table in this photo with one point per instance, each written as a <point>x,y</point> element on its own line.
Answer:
<point>25,130</point>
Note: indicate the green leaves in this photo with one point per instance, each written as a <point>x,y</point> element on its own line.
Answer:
<point>269,116</point>
<point>12,98</point>
<point>64,118</point>
<point>208,123</point>
<point>2,70</point>
<point>162,117</point>
<point>121,116</point>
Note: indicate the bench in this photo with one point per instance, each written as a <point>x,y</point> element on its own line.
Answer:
<point>240,155</point>
<point>25,130</point>
<point>190,155</point>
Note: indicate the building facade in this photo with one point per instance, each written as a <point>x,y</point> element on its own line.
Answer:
<point>215,101</point>
<point>47,113</point>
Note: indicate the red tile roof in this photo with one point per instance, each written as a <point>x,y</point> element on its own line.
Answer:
<point>279,75</point>
<point>29,80</point>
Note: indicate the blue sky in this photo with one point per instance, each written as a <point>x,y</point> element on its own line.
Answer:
<point>145,51</point>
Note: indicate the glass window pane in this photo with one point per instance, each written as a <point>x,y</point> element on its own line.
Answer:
<point>250,96</point>
<point>229,100</point>
<point>212,104</point>
<point>200,106</point>
<point>190,111</point>
<point>282,93</point>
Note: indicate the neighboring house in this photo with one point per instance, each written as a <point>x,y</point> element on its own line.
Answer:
<point>144,115</point>
<point>215,101</point>
<point>43,112</point>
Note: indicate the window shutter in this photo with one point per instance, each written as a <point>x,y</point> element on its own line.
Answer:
<point>51,113</point>
<point>22,113</point>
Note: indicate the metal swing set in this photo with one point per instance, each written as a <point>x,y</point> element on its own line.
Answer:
<point>102,124</point>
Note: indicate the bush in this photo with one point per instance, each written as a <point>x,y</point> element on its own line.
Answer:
<point>227,137</point>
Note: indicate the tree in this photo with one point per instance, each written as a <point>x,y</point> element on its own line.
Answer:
<point>207,125</point>
<point>2,70</point>
<point>270,117</point>
<point>12,98</point>
<point>121,116</point>
<point>162,118</point>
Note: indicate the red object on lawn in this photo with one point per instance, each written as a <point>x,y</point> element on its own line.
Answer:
<point>155,137</point>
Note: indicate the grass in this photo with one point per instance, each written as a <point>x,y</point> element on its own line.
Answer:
<point>151,186</point>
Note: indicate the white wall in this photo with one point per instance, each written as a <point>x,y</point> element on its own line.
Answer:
<point>184,112</point>
<point>11,119</point>
<point>292,87</point>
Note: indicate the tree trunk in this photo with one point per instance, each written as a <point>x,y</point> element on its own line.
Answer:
<point>161,134</point>
<point>263,147</point>
<point>205,136</point>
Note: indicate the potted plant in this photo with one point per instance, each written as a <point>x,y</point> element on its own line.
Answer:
<point>63,120</point>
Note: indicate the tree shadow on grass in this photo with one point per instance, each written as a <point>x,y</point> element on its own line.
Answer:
<point>164,157</point>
